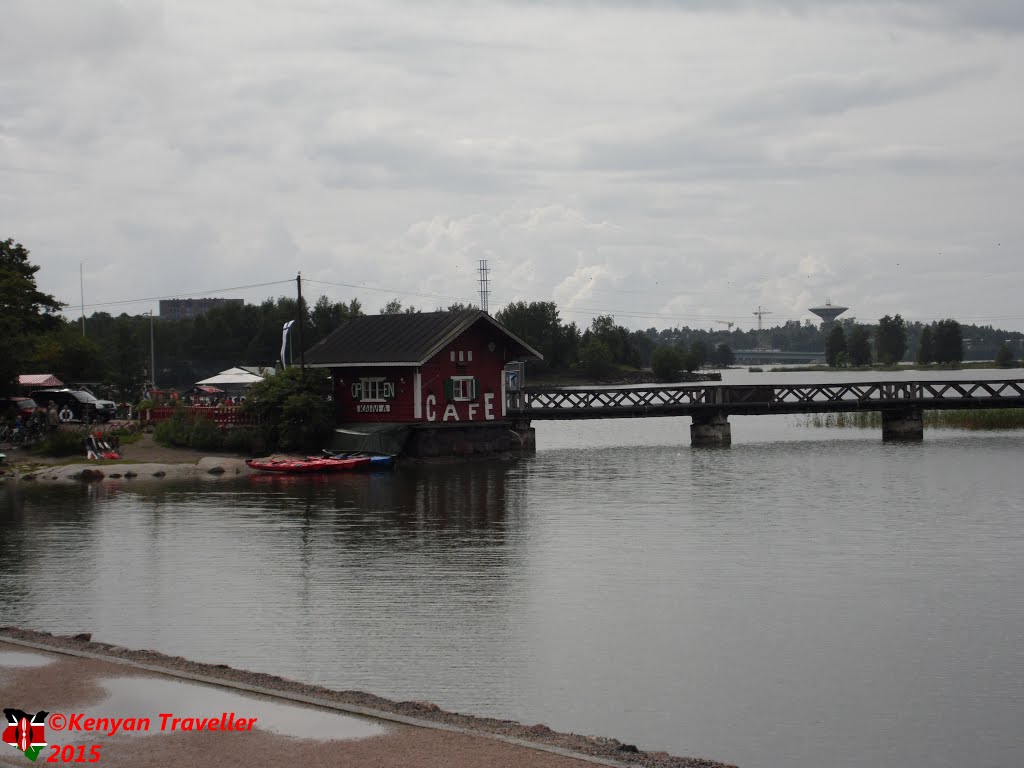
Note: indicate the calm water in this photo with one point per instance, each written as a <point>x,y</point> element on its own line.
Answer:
<point>805,598</point>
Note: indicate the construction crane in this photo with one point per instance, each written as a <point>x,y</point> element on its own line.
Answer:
<point>728,323</point>
<point>761,312</point>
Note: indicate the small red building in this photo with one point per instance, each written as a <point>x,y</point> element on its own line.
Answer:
<point>424,369</point>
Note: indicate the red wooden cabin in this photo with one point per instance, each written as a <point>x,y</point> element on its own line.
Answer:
<point>423,368</point>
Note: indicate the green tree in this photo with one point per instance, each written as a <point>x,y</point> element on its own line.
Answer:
<point>70,356</point>
<point>539,325</point>
<point>692,360</point>
<point>858,346</point>
<point>926,347</point>
<point>596,358</point>
<point>724,356</point>
<point>891,339</point>
<point>948,341</point>
<point>835,344</point>
<point>394,307</point>
<point>25,312</point>
<point>327,316</point>
<point>699,350</point>
<point>666,363</point>
<point>293,408</point>
<point>1004,357</point>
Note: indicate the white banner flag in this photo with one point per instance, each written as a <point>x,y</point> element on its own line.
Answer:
<point>284,340</point>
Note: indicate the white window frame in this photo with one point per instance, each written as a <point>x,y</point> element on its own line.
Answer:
<point>463,388</point>
<point>374,386</point>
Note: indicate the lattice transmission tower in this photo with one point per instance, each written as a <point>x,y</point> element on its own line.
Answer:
<point>485,285</point>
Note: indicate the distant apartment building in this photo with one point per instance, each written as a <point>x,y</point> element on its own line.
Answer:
<point>183,309</point>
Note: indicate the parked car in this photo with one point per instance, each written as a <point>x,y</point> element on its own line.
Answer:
<point>76,405</point>
<point>109,406</point>
<point>12,407</point>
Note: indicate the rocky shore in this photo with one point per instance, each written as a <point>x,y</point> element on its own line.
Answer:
<point>208,468</point>
<point>607,751</point>
<point>142,460</point>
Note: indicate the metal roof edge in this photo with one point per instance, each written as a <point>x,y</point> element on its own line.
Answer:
<point>363,365</point>
<point>465,325</point>
<point>505,330</point>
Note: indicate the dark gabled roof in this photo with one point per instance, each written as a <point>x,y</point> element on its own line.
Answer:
<point>406,339</point>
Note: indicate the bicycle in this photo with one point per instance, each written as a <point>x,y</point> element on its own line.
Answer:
<point>11,437</point>
<point>123,427</point>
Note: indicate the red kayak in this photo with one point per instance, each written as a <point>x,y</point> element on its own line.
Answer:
<point>311,464</point>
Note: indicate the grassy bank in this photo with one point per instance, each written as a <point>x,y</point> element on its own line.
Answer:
<point>990,419</point>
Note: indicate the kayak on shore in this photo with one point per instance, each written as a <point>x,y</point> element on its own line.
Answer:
<point>329,462</point>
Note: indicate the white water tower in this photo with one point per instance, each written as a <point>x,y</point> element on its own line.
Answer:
<point>829,312</point>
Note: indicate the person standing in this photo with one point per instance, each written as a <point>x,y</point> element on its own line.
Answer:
<point>51,416</point>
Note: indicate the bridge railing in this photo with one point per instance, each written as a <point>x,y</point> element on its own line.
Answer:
<point>879,391</point>
<point>763,397</point>
<point>614,398</point>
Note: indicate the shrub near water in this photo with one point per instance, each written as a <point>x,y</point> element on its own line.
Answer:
<point>206,435</point>
<point>175,431</point>
<point>293,409</point>
<point>183,430</point>
<point>60,443</point>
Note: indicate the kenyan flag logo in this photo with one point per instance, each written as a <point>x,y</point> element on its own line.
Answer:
<point>26,732</point>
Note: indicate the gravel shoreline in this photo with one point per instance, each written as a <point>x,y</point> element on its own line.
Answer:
<point>424,713</point>
<point>208,468</point>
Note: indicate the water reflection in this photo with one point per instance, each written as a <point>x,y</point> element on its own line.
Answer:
<point>795,600</point>
<point>397,565</point>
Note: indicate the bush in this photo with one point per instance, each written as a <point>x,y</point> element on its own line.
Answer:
<point>246,440</point>
<point>293,409</point>
<point>306,422</point>
<point>206,435</point>
<point>60,443</point>
<point>175,431</point>
<point>692,360</point>
<point>666,362</point>
<point>1004,357</point>
<point>596,358</point>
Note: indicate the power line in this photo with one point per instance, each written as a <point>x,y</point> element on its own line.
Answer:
<point>390,291</point>
<point>121,302</point>
<point>565,310</point>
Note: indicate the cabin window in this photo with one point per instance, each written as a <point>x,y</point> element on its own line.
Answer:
<point>459,388</point>
<point>375,390</point>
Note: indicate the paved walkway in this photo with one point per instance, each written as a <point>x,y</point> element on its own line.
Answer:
<point>192,724</point>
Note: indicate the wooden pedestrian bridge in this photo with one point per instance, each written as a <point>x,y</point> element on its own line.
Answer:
<point>901,403</point>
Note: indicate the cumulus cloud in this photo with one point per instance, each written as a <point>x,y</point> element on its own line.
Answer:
<point>668,162</point>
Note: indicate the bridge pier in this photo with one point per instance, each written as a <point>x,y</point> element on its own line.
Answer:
<point>903,424</point>
<point>711,429</point>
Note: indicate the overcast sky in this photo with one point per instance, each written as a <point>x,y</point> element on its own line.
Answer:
<point>670,163</point>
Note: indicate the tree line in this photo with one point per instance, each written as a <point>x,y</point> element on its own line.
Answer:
<point>114,352</point>
<point>941,342</point>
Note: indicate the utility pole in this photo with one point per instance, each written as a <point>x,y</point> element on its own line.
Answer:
<point>761,312</point>
<point>302,346</point>
<point>152,353</point>
<point>81,287</point>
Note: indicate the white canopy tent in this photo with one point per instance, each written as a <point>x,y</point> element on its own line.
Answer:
<point>232,376</point>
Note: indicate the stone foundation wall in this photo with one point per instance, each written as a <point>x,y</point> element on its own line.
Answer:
<point>428,442</point>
